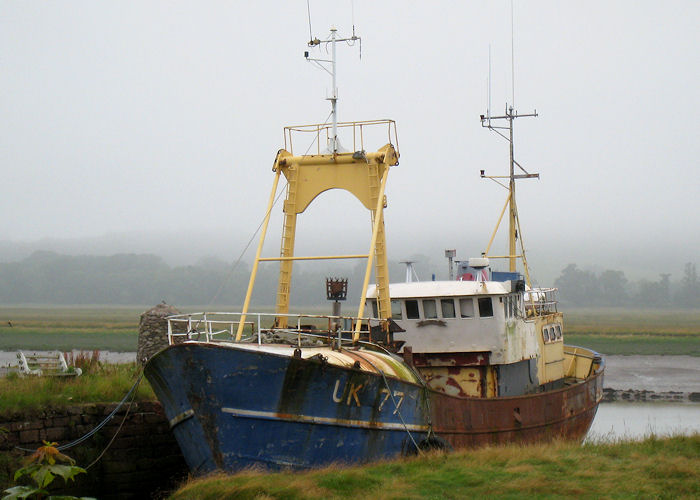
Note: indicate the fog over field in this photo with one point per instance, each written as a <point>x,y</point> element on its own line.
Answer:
<point>151,127</point>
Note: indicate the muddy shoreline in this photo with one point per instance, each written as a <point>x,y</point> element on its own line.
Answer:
<point>643,396</point>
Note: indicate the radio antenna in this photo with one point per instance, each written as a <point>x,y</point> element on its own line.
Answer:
<point>503,126</point>
<point>329,66</point>
<point>488,103</point>
<point>308,10</point>
<point>512,54</point>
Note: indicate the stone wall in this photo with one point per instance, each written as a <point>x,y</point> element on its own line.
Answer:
<point>144,461</point>
<point>153,331</point>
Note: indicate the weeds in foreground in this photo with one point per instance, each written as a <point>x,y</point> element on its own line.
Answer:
<point>41,469</point>
<point>88,362</point>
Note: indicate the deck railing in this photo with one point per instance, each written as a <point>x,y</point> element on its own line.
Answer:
<point>541,301</point>
<point>222,327</point>
<point>362,132</point>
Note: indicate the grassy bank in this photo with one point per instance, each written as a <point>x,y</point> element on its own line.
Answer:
<point>637,344</point>
<point>653,468</point>
<point>101,383</point>
<point>66,328</point>
<point>628,331</point>
<point>618,321</point>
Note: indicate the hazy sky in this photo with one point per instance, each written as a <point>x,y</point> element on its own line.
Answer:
<point>165,117</point>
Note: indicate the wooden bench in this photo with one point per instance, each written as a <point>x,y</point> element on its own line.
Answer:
<point>51,364</point>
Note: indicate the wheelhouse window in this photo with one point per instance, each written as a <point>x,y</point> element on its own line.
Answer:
<point>429,309</point>
<point>466,307</point>
<point>395,309</point>
<point>512,302</point>
<point>412,309</point>
<point>485,307</point>
<point>551,333</point>
<point>448,308</point>
<point>373,302</point>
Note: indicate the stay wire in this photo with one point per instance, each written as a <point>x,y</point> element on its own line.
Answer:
<point>116,433</point>
<point>245,249</point>
<point>255,233</point>
<point>396,406</point>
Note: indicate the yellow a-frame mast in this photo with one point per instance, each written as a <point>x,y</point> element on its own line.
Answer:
<point>360,173</point>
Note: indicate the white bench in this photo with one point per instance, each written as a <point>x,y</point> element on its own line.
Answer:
<point>51,364</point>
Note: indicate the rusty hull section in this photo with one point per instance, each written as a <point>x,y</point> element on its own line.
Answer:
<point>565,413</point>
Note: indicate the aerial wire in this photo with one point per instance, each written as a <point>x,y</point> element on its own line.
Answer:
<point>308,10</point>
<point>252,237</point>
<point>352,6</point>
<point>512,53</point>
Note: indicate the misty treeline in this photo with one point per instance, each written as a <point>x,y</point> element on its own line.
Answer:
<point>578,287</point>
<point>130,279</point>
<point>144,279</point>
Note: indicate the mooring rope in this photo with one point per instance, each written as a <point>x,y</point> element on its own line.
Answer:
<point>132,392</point>
<point>393,400</point>
<point>116,433</point>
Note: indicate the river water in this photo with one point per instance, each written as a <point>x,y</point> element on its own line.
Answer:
<point>623,420</point>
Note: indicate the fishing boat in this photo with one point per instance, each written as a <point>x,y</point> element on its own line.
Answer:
<point>476,359</point>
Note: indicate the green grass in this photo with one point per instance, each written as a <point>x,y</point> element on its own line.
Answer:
<point>641,344</point>
<point>653,468</point>
<point>108,383</point>
<point>633,321</point>
<point>64,328</point>
<point>65,340</point>
<point>628,331</point>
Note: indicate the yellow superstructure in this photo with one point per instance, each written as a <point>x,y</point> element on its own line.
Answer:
<point>362,174</point>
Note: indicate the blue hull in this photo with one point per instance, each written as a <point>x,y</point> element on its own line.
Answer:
<point>231,409</point>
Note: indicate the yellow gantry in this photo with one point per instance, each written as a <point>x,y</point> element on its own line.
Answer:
<point>362,174</point>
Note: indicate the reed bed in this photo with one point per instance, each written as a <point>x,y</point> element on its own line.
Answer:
<point>101,383</point>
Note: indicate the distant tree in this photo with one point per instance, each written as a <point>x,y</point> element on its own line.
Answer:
<point>654,294</point>
<point>689,293</point>
<point>647,295</point>
<point>578,287</point>
<point>613,287</point>
<point>664,290</point>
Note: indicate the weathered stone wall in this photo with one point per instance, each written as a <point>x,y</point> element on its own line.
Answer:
<point>143,461</point>
<point>153,331</point>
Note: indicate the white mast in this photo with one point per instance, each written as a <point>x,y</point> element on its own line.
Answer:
<point>334,98</point>
<point>333,144</point>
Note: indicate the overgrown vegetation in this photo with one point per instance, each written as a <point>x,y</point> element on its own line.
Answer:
<point>101,383</point>
<point>41,469</point>
<point>653,468</point>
